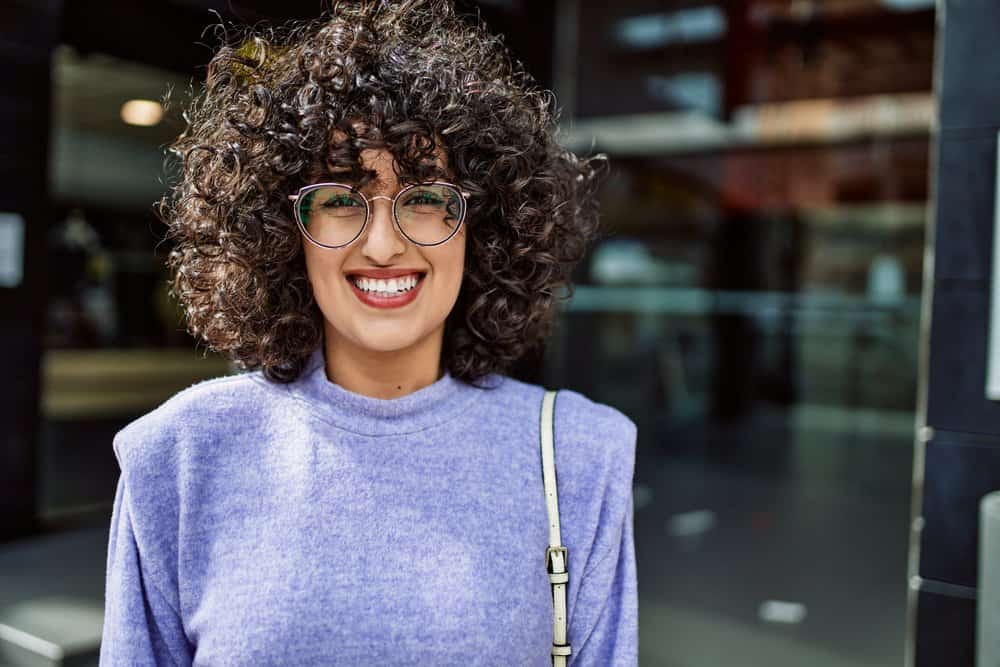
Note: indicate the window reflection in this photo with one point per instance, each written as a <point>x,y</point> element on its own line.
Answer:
<point>755,308</point>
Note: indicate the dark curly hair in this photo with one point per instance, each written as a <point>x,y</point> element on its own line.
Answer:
<point>421,76</point>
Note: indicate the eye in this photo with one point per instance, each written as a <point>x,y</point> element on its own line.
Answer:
<point>425,198</point>
<point>340,200</point>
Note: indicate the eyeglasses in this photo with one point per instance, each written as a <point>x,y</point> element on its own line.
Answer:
<point>333,215</point>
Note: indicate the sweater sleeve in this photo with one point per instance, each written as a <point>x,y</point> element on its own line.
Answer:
<point>604,629</point>
<point>140,626</point>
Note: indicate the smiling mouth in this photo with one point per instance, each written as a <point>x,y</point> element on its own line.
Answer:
<point>392,287</point>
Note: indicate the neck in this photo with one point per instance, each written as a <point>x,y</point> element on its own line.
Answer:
<point>383,374</point>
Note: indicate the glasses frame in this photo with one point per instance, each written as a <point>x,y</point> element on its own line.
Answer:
<point>368,211</point>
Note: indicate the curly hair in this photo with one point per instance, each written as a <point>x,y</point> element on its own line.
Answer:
<point>421,76</point>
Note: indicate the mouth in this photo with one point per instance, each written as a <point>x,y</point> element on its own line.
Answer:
<point>387,287</point>
<point>389,293</point>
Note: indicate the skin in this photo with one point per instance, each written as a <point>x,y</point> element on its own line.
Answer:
<point>385,352</point>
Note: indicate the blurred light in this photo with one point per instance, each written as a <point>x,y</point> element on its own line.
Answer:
<point>778,611</point>
<point>701,91</point>
<point>831,118</point>
<point>142,112</point>
<point>886,280</point>
<point>685,26</point>
<point>642,495</point>
<point>77,233</point>
<point>628,261</point>
<point>909,5</point>
<point>11,249</point>
<point>690,524</point>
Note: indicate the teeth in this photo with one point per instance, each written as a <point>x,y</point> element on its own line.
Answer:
<point>386,287</point>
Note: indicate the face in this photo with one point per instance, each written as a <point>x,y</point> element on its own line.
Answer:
<point>352,323</point>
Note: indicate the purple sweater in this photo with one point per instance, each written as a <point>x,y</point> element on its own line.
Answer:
<point>256,523</point>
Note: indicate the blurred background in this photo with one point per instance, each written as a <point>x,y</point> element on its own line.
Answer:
<point>756,306</point>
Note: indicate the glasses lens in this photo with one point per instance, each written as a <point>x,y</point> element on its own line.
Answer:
<point>332,214</point>
<point>430,213</point>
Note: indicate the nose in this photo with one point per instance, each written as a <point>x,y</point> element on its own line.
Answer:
<point>382,241</point>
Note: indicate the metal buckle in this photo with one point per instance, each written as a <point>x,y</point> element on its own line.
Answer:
<point>548,557</point>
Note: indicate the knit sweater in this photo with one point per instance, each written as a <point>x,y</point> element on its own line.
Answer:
<point>258,523</point>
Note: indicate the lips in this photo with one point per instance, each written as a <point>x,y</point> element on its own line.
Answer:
<point>375,300</point>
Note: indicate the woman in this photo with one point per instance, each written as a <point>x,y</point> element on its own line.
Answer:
<point>373,221</point>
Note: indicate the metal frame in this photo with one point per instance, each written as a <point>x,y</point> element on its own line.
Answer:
<point>368,211</point>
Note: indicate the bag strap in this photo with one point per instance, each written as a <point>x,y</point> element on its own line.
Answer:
<point>556,555</point>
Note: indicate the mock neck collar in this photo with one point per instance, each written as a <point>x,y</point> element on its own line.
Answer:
<point>445,398</point>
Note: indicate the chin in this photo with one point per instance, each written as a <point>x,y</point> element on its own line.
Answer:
<point>391,342</point>
<point>384,346</point>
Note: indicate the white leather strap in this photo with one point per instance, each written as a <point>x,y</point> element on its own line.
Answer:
<point>556,555</point>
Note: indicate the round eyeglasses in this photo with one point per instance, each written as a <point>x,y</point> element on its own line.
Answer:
<point>333,215</point>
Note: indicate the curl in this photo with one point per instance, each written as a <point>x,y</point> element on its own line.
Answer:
<point>421,77</point>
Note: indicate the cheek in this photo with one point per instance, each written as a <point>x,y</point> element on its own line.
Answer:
<point>322,269</point>
<point>452,264</point>
<point>312,266</point>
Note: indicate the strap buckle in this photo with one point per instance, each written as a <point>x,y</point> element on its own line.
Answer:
<point>562,649</point>
<point>549,551</point>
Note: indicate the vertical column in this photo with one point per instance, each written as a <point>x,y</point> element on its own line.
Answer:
<point>958,453</point>
<point>28,33</point>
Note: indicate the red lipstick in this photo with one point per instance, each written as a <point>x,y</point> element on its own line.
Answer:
<point>374,299</point>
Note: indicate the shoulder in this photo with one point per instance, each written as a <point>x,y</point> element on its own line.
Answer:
<point>200,412</point>
<point>572,406</point>
<point>599,419</point>
<point>595,456</point>
<point>582,425</point>
<point>598,442</point>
